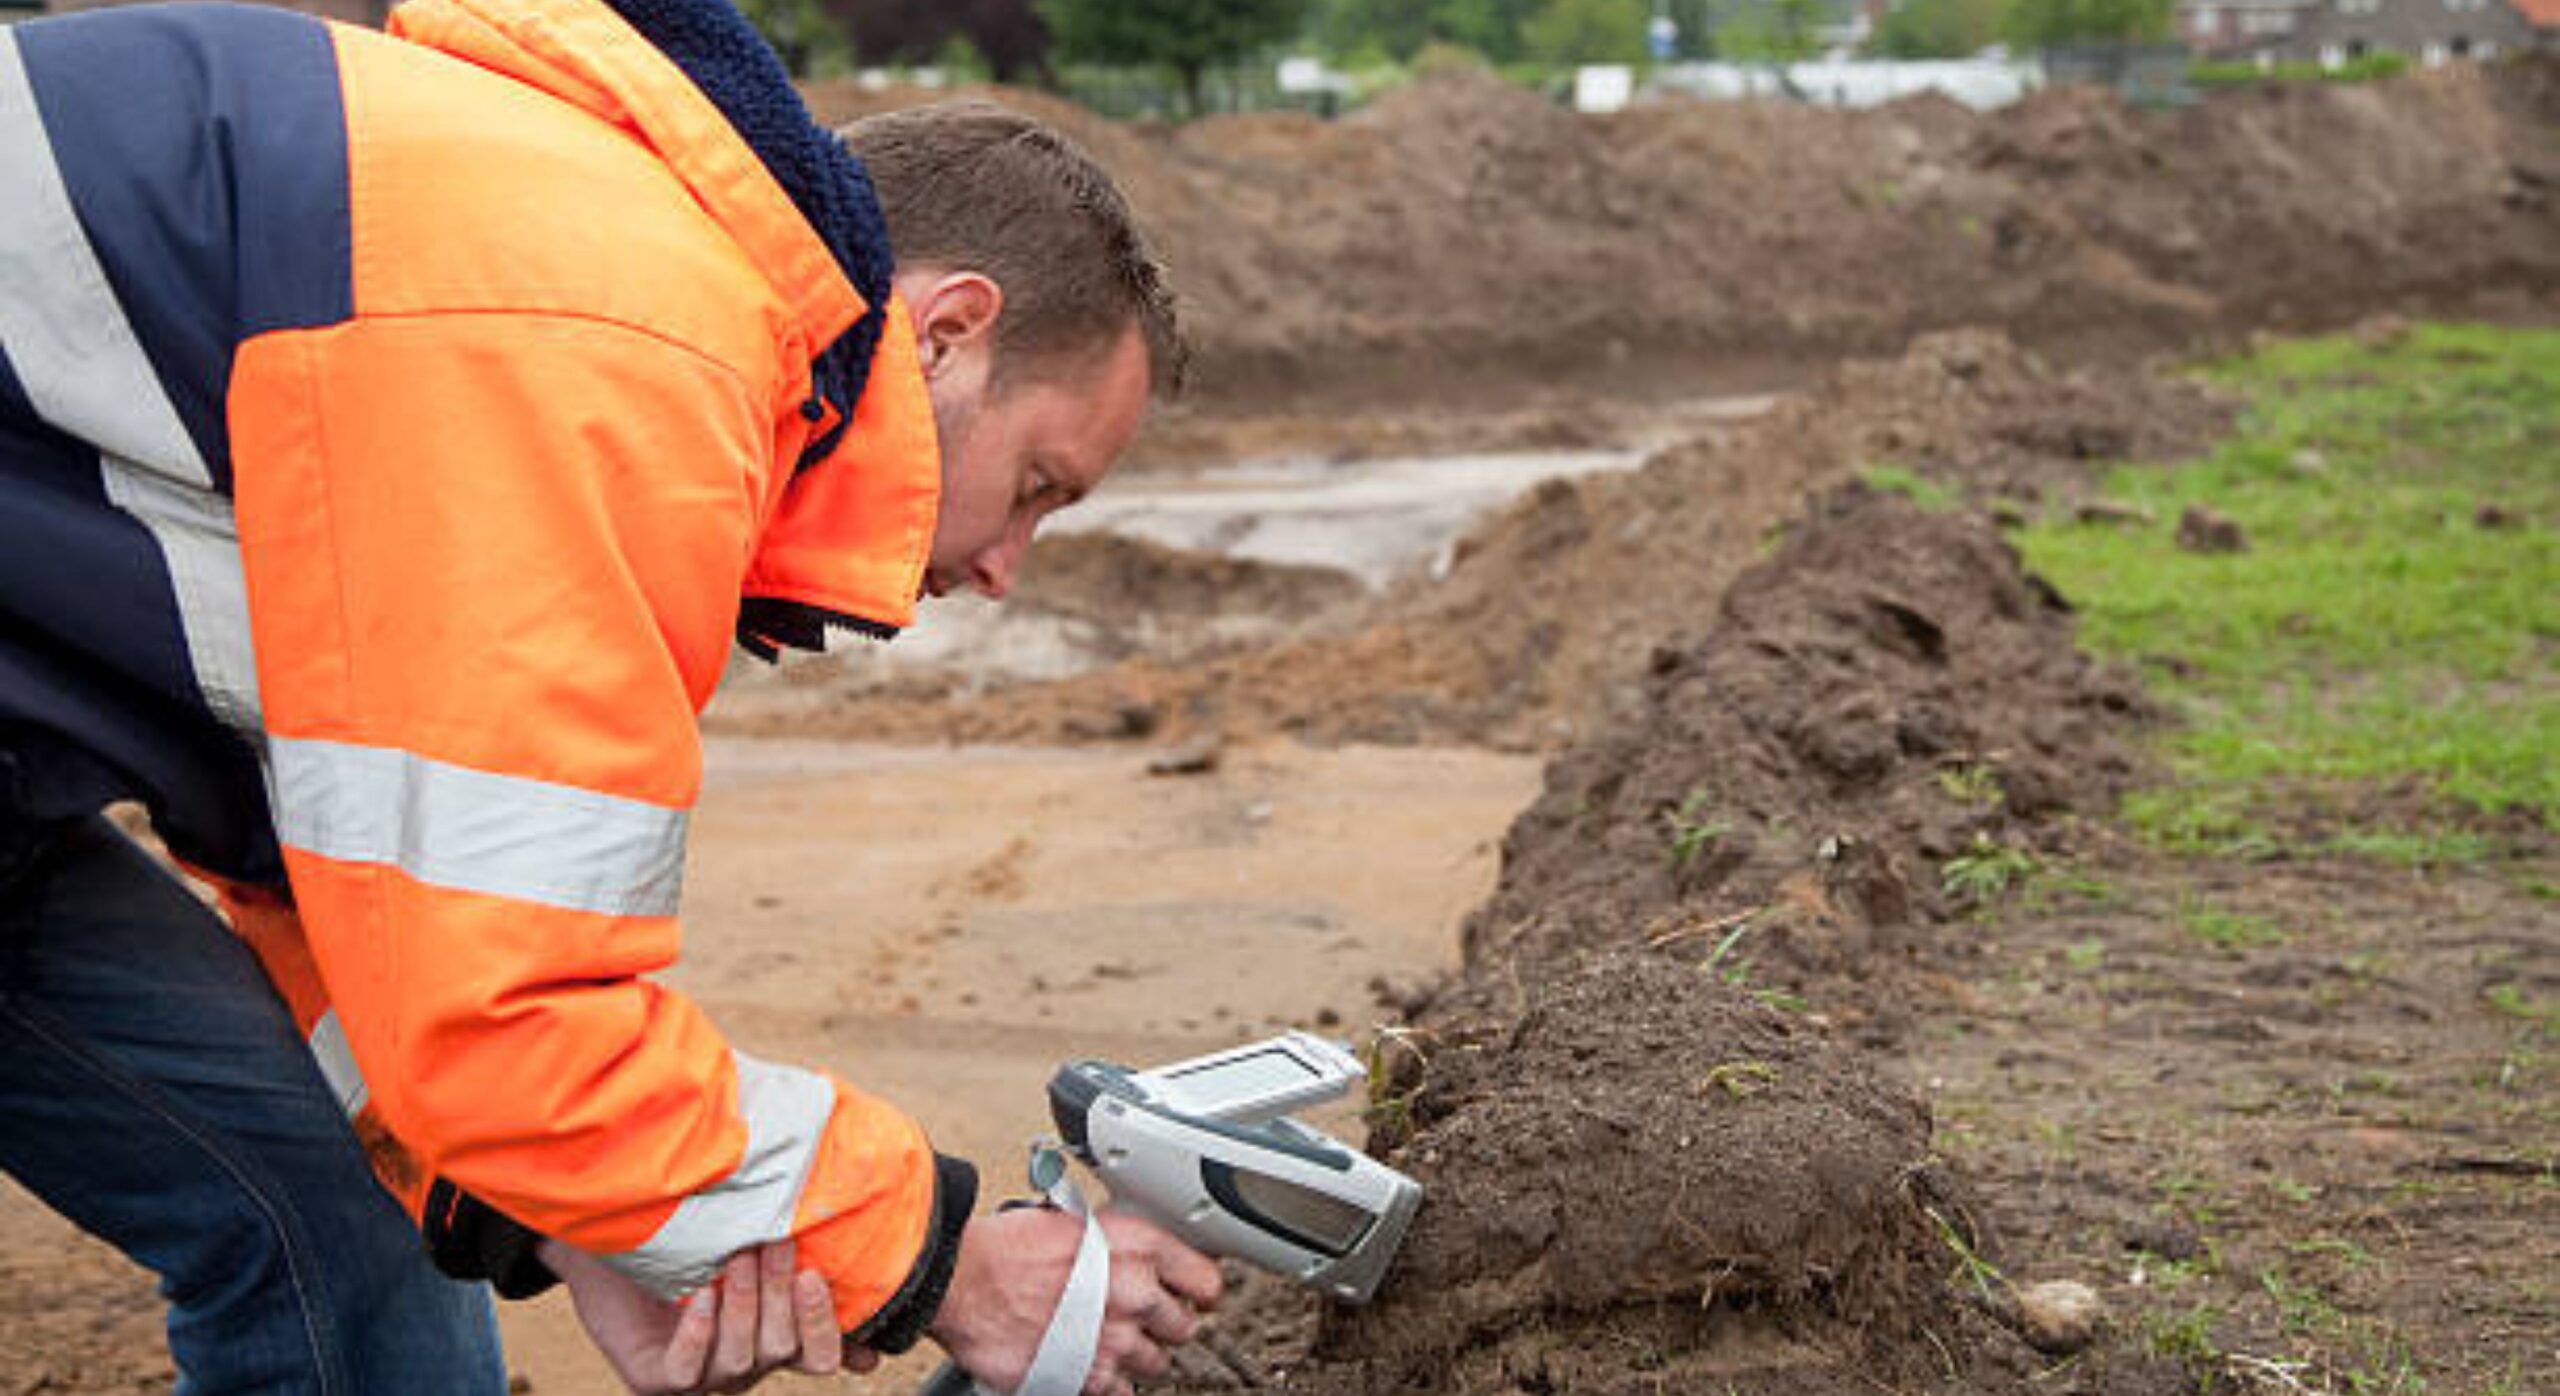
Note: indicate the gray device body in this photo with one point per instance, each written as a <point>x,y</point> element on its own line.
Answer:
<point>1205,1149</point>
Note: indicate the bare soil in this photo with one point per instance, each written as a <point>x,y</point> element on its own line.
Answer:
<point>1541,628</point>
<point>1465,243</point>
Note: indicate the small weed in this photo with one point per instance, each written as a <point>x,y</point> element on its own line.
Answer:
<point>2299,1194</point>
<point>2087,955</point>
<point>2508,1001</point>
<point>1895,479</point>
<point>2169,1275</point>
<point>2229,930</point>
<point>2355,1257</point>
<point>1971,1268</point>
<point>1985,871</point>
<point>1691,832</point>
<point>1739,1079</point>
<point>2185,1336</point>
<point>2303,1308</point>
<point>1977,784</point>
<point>1783,1001</point>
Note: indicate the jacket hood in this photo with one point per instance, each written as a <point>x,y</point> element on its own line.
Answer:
<point>848,544</point>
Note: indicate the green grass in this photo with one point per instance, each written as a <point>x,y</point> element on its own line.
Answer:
<point>1902,480</point>
<point>2374,633</point>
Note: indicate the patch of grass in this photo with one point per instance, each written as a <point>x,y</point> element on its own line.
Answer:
<point>2393,618</point>
<point>2508,1001</point>
<point>1977,784</point>
<point>1902,480</point>
<point>1982,873</point>
<point>1691,831</point>
<point>2086,955</point>
<point>2230,930</point>
<point>2185,1336</point>
<point>2301,1307</point>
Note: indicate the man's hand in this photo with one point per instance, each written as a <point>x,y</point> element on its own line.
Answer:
<point>1012,1267</point>
<point>757,1318</point>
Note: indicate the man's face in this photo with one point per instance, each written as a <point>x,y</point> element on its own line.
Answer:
<point>1018,450</point>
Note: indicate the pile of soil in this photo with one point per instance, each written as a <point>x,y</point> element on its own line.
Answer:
<point>1541,627</point>
<point>1647,1166</point>
<point>1463,237</point>
<point>1889,693</point>
<point>1641,1180</point>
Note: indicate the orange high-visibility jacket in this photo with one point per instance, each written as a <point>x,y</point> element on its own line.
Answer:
<point>391,427</point>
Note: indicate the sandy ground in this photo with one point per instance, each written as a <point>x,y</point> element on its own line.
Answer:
<point>945,926</point>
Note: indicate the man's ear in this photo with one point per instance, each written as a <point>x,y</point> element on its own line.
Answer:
<point>954,313</point>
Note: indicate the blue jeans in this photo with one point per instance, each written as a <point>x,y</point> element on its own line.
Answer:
<point>154,1091</point>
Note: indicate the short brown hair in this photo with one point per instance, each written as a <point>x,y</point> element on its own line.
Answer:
<point>973,186</point>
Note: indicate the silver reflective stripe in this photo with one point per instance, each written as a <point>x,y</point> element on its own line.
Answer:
<point>787,1110</point>
<point>471,831</point>
<point>66,335</point>
<point>197,536</point>
<point>338,1063</point>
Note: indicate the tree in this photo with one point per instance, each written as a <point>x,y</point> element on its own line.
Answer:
<point>1939,28</point>
<point>1588,31</point>
<point>2054,23</point>
<point>1771,31</point>
<point>809,40</point>
<point>1006,33</point>
<point>1185,37</point>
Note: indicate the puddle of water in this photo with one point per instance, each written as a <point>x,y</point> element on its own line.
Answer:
<point>1373,519</point>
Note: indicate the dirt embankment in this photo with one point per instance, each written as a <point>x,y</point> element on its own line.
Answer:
<point>1541,627</point>
<point>1467,240</point>
<point>1650,1168</point>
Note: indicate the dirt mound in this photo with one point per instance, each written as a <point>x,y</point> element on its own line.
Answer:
<point>1463,237</point>
<point>1642,1180</point>
<point>1888,698</point>
<point>1652,1163</point>
<point>1112,580</point>
<point>1540,629</point>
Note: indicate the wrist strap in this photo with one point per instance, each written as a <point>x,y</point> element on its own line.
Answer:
<point>1067,1349</point>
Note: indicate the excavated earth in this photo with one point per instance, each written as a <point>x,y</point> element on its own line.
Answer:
<point>1463,241</point>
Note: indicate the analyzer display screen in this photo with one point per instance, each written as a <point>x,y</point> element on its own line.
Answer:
<point>1252,1076</point>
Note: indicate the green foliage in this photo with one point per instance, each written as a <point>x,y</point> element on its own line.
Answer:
<point>809,41</point>
<point>2055,23</point>
<point>2376,632</point>
<point>1940,28</point>
<point>1692,833</point>
<point>1771,31</point>
<point>1985,871</point>
<point>2369,68</point>
<point>1977,784</point>
<point>1587,31</point>
<point>1183,37</point>
<point>2231,930</point>
<point>1911,485</point>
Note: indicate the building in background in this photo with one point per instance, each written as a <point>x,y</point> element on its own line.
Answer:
<point>2334,33</point>
<point>2228,28</point>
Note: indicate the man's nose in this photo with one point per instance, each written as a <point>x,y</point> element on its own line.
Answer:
<point>991,572</point>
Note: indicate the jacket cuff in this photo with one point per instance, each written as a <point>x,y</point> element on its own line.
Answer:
<point>470,1240</point>
<point>901,1323</point>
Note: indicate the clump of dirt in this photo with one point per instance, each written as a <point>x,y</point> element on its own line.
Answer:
<point>1539,631</point>
<point>1889,716</point>
<point>1640,1179</point>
